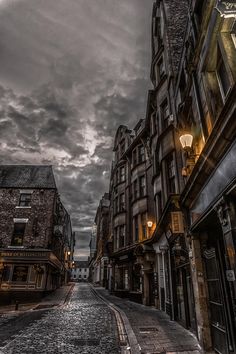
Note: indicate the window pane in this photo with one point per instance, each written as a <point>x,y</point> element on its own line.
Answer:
<point>20,273</point>
<point>25,199</point>
<point>18,234</point>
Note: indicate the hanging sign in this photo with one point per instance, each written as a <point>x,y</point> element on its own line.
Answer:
<point>226,8</point>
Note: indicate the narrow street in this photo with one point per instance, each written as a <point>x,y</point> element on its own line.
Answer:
<point>91,321</point>
<point>84,325</point>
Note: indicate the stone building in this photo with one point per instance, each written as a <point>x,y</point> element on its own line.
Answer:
<point>36,239</point>
<point>132,213</point>
<point>100,260</point>
<point>80,271</point>
<point>205,100</point>
<point>176,169</point>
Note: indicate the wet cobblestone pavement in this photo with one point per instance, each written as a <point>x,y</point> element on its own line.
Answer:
<point>86,325</point>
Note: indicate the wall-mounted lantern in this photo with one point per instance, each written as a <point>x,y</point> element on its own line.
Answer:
<point>149,224</point>
<point>186,141</point>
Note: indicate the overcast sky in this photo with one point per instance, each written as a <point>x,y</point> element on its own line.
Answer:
<point>72,71</point>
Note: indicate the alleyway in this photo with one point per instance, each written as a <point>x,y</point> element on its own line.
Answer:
<point>92,322</point>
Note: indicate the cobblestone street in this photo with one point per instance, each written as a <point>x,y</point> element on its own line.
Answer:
<point>93,322</point>
<point>84,325</point>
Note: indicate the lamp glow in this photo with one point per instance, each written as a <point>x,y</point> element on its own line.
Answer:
<point>186,141</point>
<point>149,224</point>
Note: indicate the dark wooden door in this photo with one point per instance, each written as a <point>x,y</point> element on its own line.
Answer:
<point>216,302</point>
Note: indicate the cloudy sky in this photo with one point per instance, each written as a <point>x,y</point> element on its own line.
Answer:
<point>72,71</point>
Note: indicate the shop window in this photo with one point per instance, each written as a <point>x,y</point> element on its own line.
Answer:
<point>6,273</point>
<point>141,154</point>
<point>122,202</point>
<point>25,199</point>
<point>135,187</point>
<point>122,174</point>
<point>20,273</point>
<point>18,234</point>
<point>165,113</point>
<point>222,76</point>
<point>136,238</point>
<point>142,186</point>
<point>170,169</point>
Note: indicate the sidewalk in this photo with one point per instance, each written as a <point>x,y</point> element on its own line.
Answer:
<point>154,331</point>
<point>57,298</point>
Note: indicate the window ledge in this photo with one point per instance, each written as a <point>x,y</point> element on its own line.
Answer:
<point>23,207</point>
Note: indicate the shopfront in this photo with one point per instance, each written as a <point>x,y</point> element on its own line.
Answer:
<point>28,274</point>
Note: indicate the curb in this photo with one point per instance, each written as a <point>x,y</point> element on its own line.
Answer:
<point>128,340</point>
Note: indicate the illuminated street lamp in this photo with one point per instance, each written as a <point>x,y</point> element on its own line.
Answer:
<point>149,224</point>
<point>186,141</point>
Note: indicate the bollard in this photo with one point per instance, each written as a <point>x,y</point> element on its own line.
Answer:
<point>16,305</point>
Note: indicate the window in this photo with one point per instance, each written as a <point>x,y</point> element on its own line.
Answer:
<point>141,154</point>
<point>122,236</point>
<point>122,202</point>
<point>122,174</point>
<point>165,114</point>
<point>122,148</point>
<point>25,199</point>
<point>134,157</point>
<point>136,228</point>
<point>85,276</point>
<point>117,176</point>
<point>154,120</point>
<point>170,174</point>
<point>142,186</point>
<point>144,225</point>
<point>160,70</point>
<point>20,273</point>
<point>158,205</point>
<point>18,234</point>
<point>116,205</point>
<point>135,187</point>
<point>80,276</point>
<point>222,77</point>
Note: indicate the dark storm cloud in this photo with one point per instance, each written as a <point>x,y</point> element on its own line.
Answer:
<point>78,69</point>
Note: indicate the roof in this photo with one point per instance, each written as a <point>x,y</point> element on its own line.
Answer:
<point>27,176</point>
<point>81,264</point>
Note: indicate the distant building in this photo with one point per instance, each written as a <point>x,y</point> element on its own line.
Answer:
<point>36,239</point>
<point>80,271</point>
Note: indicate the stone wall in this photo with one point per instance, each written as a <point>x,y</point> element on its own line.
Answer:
<point>39,215</point>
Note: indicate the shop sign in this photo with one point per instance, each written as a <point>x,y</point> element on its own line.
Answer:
<point>226,8</point>
<point>177,224</point>
<point>22,254</point>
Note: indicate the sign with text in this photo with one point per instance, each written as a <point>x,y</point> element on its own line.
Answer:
<point>177,224</point>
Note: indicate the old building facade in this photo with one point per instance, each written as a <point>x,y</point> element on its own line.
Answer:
<point>175,171</point>
<point>36,238</point>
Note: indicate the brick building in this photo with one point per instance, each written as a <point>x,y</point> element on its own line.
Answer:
<point>36,239</point>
